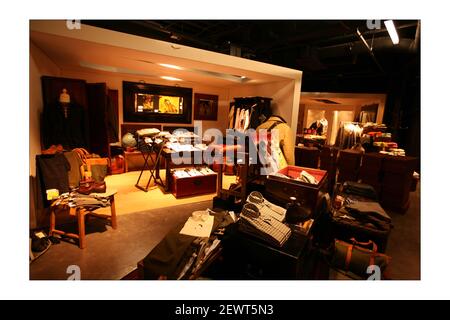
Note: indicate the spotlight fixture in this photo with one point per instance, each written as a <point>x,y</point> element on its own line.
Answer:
<point>170,78</point>
<point>392,31</point>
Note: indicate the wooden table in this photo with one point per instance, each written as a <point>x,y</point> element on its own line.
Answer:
<point>80,212</point>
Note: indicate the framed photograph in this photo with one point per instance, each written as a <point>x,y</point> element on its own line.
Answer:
<point>153,103</point>
<point>205,106</point>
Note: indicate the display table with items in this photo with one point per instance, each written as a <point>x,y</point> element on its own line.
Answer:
<point>193,181</point>
<point>79,206</point>
<point>221,244</point>
<point>185,159</point>
<point>174,150</point>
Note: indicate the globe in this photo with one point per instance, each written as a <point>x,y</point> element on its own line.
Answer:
<point>128,140</point>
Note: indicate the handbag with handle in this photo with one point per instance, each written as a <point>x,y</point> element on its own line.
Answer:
<point>96,167</point>
<point>359,258</point>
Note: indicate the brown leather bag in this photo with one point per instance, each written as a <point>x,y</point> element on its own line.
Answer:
<point>89,161</point>
<point>356,257</point>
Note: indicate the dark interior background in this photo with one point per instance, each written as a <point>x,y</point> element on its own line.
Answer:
<point>331,54</point>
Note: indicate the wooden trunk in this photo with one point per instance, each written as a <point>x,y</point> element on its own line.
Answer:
<point>191,186</point>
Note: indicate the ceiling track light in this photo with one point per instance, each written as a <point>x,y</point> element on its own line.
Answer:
<point>392,31</point>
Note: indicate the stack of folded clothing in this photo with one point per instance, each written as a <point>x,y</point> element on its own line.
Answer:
<point>266,207</point>
<point>359,189</point>
<point>368,210</point>
<point>88,201</point>
<point>148,132</point>
<point>192,172</point>
<point>262,226</point>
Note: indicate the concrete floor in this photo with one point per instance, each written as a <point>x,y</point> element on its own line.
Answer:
<point>404,241</point>
<point>112,254</point>
<point>130,199</point>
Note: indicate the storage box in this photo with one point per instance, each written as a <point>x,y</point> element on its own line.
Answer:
<point>192,186</point>
<point>281,189</point>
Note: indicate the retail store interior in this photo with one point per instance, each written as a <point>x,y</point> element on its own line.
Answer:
<point>224,150</point>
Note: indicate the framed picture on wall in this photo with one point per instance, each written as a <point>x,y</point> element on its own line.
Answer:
<point>144,102</point>
<point>205,106</point>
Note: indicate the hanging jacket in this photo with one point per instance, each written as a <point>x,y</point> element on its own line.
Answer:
<point>231,118</point>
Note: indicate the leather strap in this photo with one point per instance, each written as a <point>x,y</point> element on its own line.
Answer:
<point>372,260</point>
<point>348,257</point>
<point>366,244</point>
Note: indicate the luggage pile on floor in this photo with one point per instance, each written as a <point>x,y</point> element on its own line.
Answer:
<point>361,216</point>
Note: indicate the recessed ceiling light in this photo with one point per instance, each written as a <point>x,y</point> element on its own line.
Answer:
<point>170,78</point>
<point>171,66</point>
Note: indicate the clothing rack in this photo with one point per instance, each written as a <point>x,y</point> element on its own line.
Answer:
<point>248,112</point>
<point>348,138</point>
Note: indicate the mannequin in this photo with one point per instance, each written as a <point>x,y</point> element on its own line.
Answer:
<point>64,123</point>
<point>321,126</point>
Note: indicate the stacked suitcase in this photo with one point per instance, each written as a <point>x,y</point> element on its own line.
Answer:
<point>328,156</point>
<point>370,171</point>
<point>348,165</point>
<point>397,178</point>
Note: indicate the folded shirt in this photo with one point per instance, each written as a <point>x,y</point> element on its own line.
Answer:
<point>265,207</point>
<point>264,227</point>
<point>148,132</point>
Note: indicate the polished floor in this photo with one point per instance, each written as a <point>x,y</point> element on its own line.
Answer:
<point>144,219</point>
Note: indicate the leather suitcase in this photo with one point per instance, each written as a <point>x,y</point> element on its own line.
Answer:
<point>191,186</point>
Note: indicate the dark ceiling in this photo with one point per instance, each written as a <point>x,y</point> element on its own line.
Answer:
<point>329,52</point>
<point>334,55</point>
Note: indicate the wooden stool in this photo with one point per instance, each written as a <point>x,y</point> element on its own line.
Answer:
<point>80,212</point>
